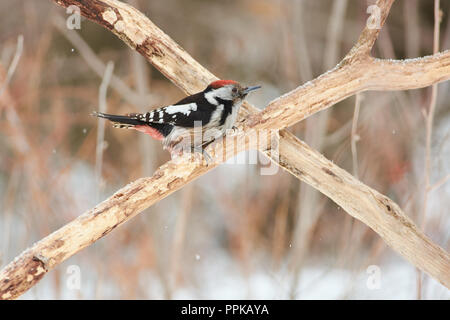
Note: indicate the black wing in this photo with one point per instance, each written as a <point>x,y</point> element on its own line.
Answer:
<point>184,113</point>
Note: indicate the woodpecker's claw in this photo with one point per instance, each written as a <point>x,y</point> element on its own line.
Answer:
<point>207,157</point>
<point>235,130</point>
<point>204,153</point>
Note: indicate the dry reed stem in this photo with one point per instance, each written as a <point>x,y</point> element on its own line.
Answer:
<point>428,133</point>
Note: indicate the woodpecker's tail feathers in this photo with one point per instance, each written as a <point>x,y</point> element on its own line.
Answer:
<point>123,126</point>
<point>127,121</point>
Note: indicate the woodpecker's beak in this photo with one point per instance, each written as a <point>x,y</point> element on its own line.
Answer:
<point>248,89</point>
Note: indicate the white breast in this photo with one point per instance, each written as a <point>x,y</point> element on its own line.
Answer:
<point>215,117</point>
<point>231,120</point>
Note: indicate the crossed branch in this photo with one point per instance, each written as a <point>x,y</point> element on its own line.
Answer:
<point>357,72</point>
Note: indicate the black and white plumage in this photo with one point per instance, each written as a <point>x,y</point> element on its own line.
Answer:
<point>211,112</point>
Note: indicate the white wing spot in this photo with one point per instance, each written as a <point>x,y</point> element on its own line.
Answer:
<point>185,109</point>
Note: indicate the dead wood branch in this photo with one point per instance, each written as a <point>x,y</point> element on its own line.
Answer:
<point>348,79</point>
<point>357,72</point>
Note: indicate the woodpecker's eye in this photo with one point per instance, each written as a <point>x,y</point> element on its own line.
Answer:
<point>234,90</point>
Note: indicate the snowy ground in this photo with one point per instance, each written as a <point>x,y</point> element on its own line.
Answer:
<point>219,278</point>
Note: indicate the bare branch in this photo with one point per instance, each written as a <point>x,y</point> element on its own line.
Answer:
<point>370,33</point>
<point>438,184</point>
<point>102,105</point>
<point>365,204</point>
<point>348,79</point>
<point>13,65</point>
<point>428,133</point>
<point>26,270</point>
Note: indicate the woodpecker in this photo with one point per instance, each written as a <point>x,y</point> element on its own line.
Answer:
<point>209,112</point>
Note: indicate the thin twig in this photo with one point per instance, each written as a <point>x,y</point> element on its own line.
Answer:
<point>101,127</point>
<point>14,63</point>
<point>354,136</point>
<point>439,183</point>
<point>315,135</point>
<point>141,76</point>
<point>429,133</point>
<point>179,235</point>
<point>97,65</point>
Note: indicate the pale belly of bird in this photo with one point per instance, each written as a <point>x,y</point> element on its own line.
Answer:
<point>182,139</point>
<point>185,139</point>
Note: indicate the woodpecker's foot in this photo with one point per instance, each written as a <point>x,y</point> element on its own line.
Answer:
<point>232,131</point>
<point>203,152</point>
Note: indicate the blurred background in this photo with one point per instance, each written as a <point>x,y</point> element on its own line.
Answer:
<point>233,233</point>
